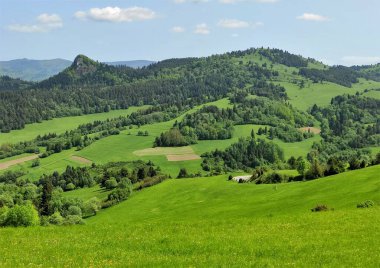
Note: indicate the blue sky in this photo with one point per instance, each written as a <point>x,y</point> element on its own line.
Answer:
<point>334,31</point>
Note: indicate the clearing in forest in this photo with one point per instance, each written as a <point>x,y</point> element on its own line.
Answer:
<point>10,163</point>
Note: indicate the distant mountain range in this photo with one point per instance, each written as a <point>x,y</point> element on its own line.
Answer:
<point>38,70</point>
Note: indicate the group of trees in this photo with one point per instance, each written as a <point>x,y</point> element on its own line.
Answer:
<point>213,123</point>
<point>246,154</point>
<point>340,75</point>
<point>25,203</point>
<point>350,123</point>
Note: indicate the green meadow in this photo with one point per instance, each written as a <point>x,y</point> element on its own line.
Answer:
<point>60,125</point>
<point>124,147</point>
<point>214,222</point>
<point>321,94</point>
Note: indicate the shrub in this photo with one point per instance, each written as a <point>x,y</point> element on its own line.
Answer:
<point>182,173</point>
<point>320,208</point>
<point>56,218</point>
<point>3,215</point>
<point>6,200</point>
<point>36,163</point>
<point>73,220</point>
<point>119,195</point>
<point>25,215</point>
<point>70,187</point>
<point>366,204</point>
<point>110,184</point>
<point>74,211</point>
<point>92,206</point>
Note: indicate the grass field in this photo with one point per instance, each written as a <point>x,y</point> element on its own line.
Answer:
<point>60,125</point>
<point>321,94</point>
<point>129,146</point>
<point>212,222</point>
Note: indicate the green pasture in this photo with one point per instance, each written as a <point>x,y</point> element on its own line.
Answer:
<point>212,222</point>
<point>60,125</point>
<point>321,94</point>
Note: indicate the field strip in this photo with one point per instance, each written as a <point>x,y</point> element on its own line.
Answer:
<point>81,159</point>
<point>311,129</point>
<point>164,151</point>
<point>182,157</point>
<point>10,163</point>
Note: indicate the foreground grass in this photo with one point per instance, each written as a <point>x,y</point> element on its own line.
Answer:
<point>212,222</point>
<point>332,239</point>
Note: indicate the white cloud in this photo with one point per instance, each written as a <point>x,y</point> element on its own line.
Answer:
<point>202,29</point>
<point>46,23</point>
<point>235,24</point>
<point>360,60</point>
<point>178,29</point>
<point>312,17</point>
<point>117,14</point>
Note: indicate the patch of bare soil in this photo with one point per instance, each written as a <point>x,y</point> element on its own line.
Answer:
<point>21,160</point>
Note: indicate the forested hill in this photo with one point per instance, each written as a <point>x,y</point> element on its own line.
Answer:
<point>88,86</point>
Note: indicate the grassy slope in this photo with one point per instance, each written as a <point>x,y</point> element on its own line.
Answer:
<point>59,125</point>
<point>212,222</point>
<point>321,94</point>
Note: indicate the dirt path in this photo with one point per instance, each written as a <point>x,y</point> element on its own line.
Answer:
<point>10,163</point>
<point>81,159</point>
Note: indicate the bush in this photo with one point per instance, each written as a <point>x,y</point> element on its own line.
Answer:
<point>25,215</point>
<point>56,219</point>
<point>36,163</point>
<point>6,200</point>
<point>70,187</point>
<point>320,208</point>
<point>119,195</point>
<point>182,173</point>
<point>3,215</point>
<point>92,206</point>
<point>74,211</point>
<point>110,184</point>
<point>73,220</point>
<point>366,204</point>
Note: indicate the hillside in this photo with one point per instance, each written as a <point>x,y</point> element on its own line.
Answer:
<point>184,81</point>
<point>205,221</point>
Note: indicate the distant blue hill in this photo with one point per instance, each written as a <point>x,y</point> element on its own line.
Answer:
<point>38,70</point>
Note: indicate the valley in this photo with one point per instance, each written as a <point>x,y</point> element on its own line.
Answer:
<point>136,167</point>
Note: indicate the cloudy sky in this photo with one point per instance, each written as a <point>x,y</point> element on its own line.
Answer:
<point>334,31</point>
